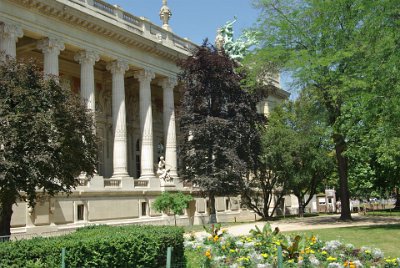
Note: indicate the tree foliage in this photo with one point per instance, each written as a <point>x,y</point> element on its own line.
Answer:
<point>46,138</point>
<point>344,53</point>
<point>296,158</point>
<point>172,202</point>
<point>218,122</point>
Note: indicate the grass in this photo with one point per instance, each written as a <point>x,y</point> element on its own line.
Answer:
<point>387,212</point>
<point>384,237</point>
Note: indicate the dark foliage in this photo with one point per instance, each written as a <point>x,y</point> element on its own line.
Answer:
<point>218,122</point>
<point>46,137</point>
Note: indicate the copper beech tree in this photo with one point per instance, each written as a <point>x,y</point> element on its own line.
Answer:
<point>46,138</point>
<point>218,122</point>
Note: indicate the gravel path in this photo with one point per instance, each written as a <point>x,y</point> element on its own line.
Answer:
<point>321,222</point>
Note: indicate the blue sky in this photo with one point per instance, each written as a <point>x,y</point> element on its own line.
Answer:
<point>195,19</point>
<point>198,19</point>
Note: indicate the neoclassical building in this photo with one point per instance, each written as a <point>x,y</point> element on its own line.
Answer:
<point>124,68</point>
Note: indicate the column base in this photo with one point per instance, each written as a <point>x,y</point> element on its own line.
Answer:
<point>147,177</point>
<point>119,175</point>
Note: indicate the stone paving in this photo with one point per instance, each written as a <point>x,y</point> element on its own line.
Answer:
<point>310,223</point>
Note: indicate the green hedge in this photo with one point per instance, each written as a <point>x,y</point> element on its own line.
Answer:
<point>100,246</point>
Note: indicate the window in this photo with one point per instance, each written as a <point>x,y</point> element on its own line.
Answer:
<point>80,212</point>
<point>144,208</point>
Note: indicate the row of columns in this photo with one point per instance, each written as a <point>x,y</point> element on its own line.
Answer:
<point>51,49</point>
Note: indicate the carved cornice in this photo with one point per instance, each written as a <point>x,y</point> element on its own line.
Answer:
<point>132,31</point>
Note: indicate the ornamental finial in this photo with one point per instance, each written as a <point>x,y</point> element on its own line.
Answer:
<point>165,14</point>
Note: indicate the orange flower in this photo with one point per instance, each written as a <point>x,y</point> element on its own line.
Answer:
<point>349,264</point>
<point>216,238</point>
<point>208,254</point>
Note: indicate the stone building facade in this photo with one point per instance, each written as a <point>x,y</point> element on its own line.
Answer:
<point>124,68</point>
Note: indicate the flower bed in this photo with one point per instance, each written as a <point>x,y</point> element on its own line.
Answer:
<point>260,249</point>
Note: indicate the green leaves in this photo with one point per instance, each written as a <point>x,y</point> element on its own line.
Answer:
<point>100,246</point>
<point>172,202</point>
<point>46,135</point>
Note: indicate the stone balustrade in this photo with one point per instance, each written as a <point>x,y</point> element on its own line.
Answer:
<point>115,183</point>
<point>138,25</point>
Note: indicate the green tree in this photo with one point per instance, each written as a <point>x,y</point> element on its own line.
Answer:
<point>172,202</point>
<point>218,122</point>
<point>46,138</point>
<point>313,158</point>
<point>336,50</point>
<point>296,157</point>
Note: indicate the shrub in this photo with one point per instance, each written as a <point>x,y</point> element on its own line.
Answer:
<point>100,246</point>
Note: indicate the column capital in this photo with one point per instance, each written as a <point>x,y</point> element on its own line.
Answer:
<point>117,66</point>
<point>10,31</point>
<point>87,56</point>
<point>168,82</point>
<point>144,75</point>
<point>50,45</point>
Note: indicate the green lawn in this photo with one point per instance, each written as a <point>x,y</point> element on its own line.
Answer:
<point>388,213</point>
<point>384,237</point>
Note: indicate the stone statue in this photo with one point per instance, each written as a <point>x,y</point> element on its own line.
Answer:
<point>162,171</point>
<point>236,49</point>
<point>165,15</point>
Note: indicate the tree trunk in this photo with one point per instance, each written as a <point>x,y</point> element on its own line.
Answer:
<point>213,214</point>
<point>340,146</point>
<point>6,211</point>
<point>397,204</point>
<point>301,206</point>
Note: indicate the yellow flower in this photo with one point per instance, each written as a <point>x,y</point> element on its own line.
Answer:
<point>313,239</point>
<point>216,238</point>
<point>290,261</point>
<point>330,258</point>
<point>312,251</point>
<point>349,264</point>
<point>277,243</point>
<point>300,258</point>
<point>367,251</point>
<point>223,247</point>
<point>324,253</point>
<point>232,251</point>
<point>265,255</point>
<point>208,254</point>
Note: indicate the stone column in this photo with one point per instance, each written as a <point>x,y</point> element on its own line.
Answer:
<point>120,162</point>
<point>51,49</point>
<point>87,60</point>
<point>168,85</point>
<point>146,124</point>
<point>9,35</point>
